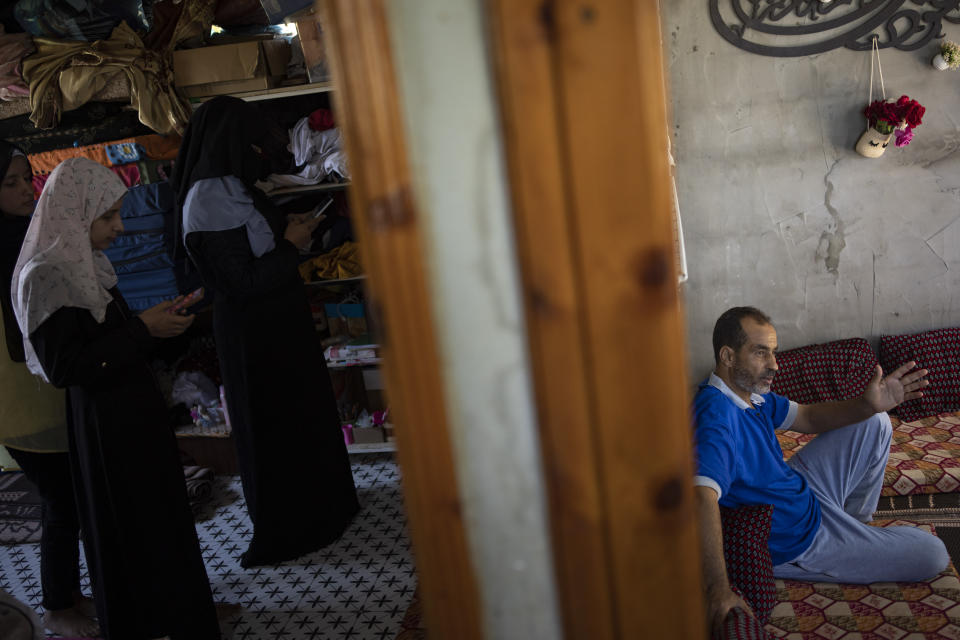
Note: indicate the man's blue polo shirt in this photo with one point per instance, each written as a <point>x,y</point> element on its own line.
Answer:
<point>738,455</point>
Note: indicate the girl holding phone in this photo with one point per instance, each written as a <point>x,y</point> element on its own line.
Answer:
<point>293,462</point>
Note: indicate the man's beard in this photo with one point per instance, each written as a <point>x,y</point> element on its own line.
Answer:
<point>743,379</point>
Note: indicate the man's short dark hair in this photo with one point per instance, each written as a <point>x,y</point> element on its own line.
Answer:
<point>728,332</point>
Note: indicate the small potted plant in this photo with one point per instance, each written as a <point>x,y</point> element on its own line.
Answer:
<point>887,118</point>
<point>949,56</point>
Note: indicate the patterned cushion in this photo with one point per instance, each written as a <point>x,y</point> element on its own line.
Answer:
<point>938,351</point>
<point>739,625</point>
<point>746,532</point>
<point>821,372</point>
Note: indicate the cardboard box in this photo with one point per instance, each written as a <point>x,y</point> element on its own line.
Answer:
<point>368,435</point>
<point>278,56</point>
<point>279,10</point>
<point>346,319</point>
<point>372,379</point>
<point>314,47</point>
<point>227,68</point>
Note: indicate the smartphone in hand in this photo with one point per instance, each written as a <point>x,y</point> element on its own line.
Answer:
<point>188,300</point>
<point>320,208</point>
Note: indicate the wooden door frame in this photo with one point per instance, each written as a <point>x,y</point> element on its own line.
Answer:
<point>582,97</point>
<point>385,218</point>
<point>583,103</point>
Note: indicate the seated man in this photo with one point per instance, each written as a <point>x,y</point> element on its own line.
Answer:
<point>824,496</point>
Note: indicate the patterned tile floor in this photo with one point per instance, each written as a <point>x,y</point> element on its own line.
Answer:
<point>358,588</point>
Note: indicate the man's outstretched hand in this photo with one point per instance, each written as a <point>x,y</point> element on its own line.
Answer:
<point>905,383</point>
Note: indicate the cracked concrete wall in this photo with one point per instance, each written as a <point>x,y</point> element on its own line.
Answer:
<point>778,209</point>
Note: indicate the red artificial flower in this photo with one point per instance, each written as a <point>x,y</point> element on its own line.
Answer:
<point>910,110</point>
<point>891,114</point>
<point>886,116</point>
<point>883,116</point>
<point>914,114</point>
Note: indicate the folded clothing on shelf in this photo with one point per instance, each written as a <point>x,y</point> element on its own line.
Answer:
<point>318,154</point>
<point>345,354</point>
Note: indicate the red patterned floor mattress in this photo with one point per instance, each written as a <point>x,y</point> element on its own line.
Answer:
<point>924,456</point>
<point>879,611</point>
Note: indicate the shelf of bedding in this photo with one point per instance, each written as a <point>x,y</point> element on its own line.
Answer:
<point>358,363</point>
<point>334,283</point>
<point>372,447</point>
<point>308,188</point>
<point>219,430</point>
<point>117,89</point>
<point>276,92</point>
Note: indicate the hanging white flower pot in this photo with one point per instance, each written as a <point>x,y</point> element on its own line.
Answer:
<point>872,143</point>
<point>939,63</point>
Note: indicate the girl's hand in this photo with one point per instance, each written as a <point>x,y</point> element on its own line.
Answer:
<point>297,217</point>
<point>299,233</point>
<point>161,324</point>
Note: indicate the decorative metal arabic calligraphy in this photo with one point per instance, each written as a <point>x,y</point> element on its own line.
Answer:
<point>787,28</point>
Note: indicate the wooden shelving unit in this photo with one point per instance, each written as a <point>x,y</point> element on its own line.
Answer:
<point>298,90</point>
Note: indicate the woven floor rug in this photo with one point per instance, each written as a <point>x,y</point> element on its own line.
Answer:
<point>825,611</point>
<point>19,510</point>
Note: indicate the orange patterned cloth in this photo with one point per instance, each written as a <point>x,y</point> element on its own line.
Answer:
<point>159,147</point>
<point>879,611</point>
<point>46,161</point>
<point>155,146</point>
<point>924,456</point>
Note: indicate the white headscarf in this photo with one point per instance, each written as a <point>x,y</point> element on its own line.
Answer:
<point>57,266</point>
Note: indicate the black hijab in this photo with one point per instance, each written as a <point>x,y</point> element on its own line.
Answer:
<point>221,139</point>
<point>12,231</point>
<point>226,136</point>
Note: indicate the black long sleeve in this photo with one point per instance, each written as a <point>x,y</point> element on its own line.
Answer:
<point>225,260</point>
<point>70,358</point>
<point>11,330</point>
<point>12,231</point>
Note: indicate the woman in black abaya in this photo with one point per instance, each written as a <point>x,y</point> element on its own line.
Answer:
<point>294,467</point>
<point>33,423</point>
<point>142,551</point>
